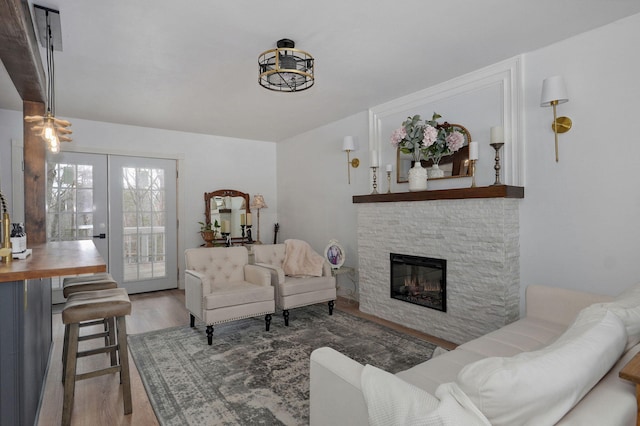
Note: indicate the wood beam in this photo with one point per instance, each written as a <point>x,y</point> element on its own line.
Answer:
<point>19,50</point>
<point>35,180</point>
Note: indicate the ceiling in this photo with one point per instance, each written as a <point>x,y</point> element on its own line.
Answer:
<point>192,66</point>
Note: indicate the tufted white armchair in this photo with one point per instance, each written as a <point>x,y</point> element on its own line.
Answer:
<point>293,292</point>
<point>221,286</point>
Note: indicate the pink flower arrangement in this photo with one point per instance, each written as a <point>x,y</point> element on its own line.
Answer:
<point>427,138</point>
<point>455,141</point>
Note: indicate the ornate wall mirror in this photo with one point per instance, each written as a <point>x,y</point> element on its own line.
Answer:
<point>227,204</point>
<point>455,165</point>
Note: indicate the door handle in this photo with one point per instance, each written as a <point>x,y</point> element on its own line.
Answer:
<point>101,236</point>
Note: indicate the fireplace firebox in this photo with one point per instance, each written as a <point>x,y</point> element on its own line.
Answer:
<point>419,280</point>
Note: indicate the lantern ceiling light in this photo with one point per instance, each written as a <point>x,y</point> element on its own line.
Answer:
<point>286,69</point>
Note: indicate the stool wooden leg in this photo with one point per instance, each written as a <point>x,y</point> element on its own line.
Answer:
<point>65,349</point>
<point>70,373</point>
<point>111,340</point>
<point>285,314</point>
<point>331,304</point>
<point>124,365</point>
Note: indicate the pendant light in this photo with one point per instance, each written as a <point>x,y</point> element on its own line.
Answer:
<point>53,130</point>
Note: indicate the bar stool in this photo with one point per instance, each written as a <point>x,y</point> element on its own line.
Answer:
<point>97,281</point>
<point>90,306</point>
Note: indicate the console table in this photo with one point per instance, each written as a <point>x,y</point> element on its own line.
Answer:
<point>25,315</point>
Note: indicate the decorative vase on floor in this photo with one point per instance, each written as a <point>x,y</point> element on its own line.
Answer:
<point>417,177</point>
<point>435,172</point>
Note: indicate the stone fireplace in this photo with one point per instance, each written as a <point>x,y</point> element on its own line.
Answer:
<point>477,232</point>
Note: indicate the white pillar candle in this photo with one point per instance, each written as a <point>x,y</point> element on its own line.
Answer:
<point>497,134</point>
<point>242,219</point>
<point>226,226</point>
<point>248,219</point>
<point>374,158</point>
<point>473,150</point>
<point>389,168</point>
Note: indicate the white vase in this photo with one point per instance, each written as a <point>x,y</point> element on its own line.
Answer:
<point>435,172</point>
<point>417,177</point>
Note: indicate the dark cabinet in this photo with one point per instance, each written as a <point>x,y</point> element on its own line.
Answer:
<point>25,341</point>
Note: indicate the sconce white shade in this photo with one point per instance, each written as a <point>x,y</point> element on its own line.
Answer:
<point>348,144</point>
<point>553,89</point>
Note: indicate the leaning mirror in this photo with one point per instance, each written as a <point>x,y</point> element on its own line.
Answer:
<point>228,205</point>
<point>455,165</point>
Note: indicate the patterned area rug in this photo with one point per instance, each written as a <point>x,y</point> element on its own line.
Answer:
<point>250,376</point>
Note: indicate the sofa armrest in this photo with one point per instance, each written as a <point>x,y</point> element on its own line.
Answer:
<point>559,305</point>
<point>196,286</point>
<point>326,269</point>
<point>257,275</point>
<point>277,274</point>
<point>335,393</point>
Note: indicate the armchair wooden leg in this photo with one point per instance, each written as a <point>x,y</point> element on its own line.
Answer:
<point>331,304</point>
<point>192,320</point>
<point>267,320</point>
<point>285,314</point>
<point>209,334</point>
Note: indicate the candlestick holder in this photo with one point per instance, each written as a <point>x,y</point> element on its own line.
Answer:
<point>375,183</point>
<point>388,182</point>
<point>497,146</point>
<point>242,227</point>
<point>472,169</point>
<point>227,239</point>
<point>249,239</point>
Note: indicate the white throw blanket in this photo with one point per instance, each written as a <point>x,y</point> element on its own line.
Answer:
<point>392,401</point>
<point>301,260</point>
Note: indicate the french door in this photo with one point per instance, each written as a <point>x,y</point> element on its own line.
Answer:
<point>126,205</point>
<point>143,234</point>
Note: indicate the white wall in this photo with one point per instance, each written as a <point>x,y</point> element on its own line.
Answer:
<point>579,218</point>
<point>314,197</point>
<point>207,163</point>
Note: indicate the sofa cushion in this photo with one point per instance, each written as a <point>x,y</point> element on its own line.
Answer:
<point>237,293</point>
<point>297,285</point>
<point>627,307</point>
<point>540,387</point>
<point>526,334</point>
<point>392,401</point>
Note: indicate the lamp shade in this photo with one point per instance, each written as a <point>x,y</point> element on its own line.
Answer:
<point>553,89</point>
<point>348,144</point>
<point>258,202</point>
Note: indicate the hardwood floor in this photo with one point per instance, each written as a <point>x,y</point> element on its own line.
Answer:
<point>98,401</point>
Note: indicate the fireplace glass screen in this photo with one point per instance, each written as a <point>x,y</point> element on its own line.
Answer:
<point>419,280</point>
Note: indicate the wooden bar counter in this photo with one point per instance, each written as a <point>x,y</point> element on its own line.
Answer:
<point>25,321</point>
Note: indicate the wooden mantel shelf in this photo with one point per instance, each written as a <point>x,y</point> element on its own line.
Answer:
<point>494,191</point>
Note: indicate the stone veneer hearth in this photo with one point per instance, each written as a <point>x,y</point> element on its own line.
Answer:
<point>479,238</point>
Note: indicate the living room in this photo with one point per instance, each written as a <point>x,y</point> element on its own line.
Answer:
<point>577,222</point>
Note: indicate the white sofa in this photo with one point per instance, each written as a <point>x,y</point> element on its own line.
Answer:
<point>337,397</point>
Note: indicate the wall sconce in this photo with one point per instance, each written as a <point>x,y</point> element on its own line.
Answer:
<point>554,92</point>
<point>349,145</point>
